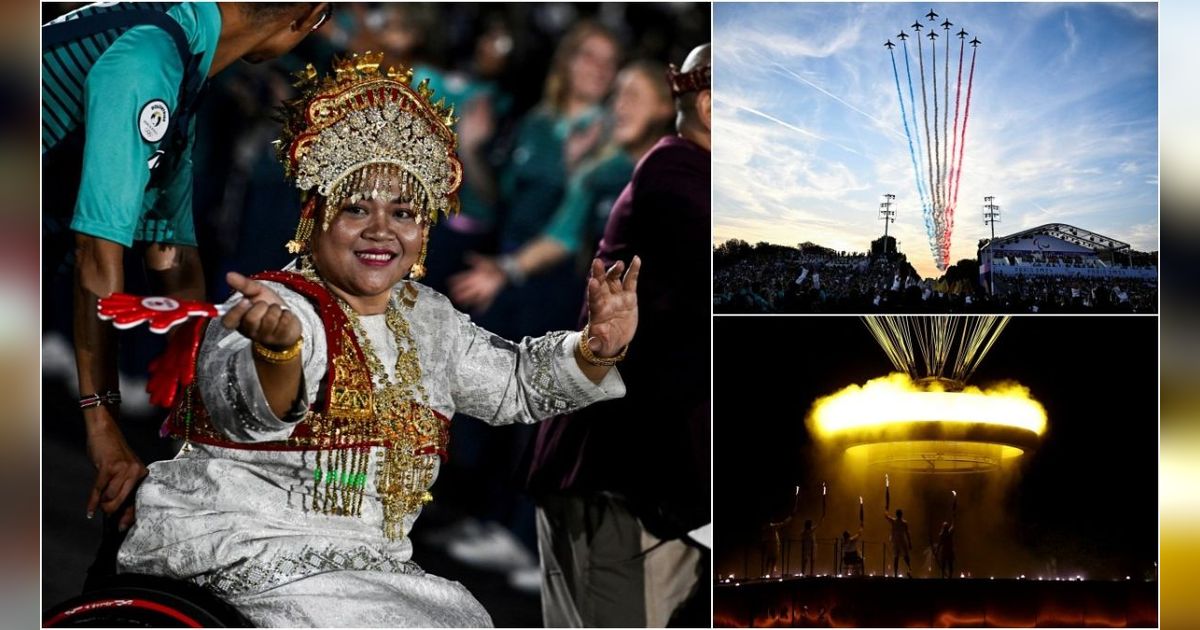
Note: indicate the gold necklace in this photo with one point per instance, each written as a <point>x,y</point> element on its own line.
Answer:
<point>412,432</point>
<point>406,471</point>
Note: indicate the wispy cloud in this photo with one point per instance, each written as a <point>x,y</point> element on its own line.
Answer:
<point>1144,11</point>
<point>1072,37</point>
<point>833,96</point>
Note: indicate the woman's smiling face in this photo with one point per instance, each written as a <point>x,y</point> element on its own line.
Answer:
<point>369,247</point>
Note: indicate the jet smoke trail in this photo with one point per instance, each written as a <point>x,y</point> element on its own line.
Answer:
<point>904,118</point>
<point>926,207</point>
<point>957,95</point>
<point>946,115</point>
<point>937,152</point>
<point>925,115</point>
<point>961,147</point>
<point>966,116</point>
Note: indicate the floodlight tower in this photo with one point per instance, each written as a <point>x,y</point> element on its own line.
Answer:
<point>887,215</point>
<point>991,213</point>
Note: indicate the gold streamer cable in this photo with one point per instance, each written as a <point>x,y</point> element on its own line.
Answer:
<point>949,346</point>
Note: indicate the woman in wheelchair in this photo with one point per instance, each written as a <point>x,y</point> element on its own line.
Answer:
<point>317,419</point>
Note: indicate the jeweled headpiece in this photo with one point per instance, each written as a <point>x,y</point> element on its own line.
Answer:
<point>361,129</point>
<point>693,81</point>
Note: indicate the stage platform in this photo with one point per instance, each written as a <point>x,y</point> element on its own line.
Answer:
<point>913,603</point>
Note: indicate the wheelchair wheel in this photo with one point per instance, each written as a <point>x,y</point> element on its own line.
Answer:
<point>145,601</point>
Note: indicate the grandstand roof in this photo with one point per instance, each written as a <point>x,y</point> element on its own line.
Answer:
<point>1068,233</point>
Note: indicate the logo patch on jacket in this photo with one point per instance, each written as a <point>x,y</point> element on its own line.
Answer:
<point>153,120</point>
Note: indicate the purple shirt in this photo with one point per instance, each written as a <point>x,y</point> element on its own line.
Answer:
<point>653,446</point>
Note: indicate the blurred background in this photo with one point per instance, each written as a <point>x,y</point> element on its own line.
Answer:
<point>1179,472</point>
<point>534,177</point>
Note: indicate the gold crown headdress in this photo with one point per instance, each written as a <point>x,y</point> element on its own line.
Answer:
<point>364,127</point>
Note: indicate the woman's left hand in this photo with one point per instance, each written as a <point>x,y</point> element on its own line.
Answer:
<point>612,307</point>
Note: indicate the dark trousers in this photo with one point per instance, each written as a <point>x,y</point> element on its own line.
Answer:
<point>601,568</point>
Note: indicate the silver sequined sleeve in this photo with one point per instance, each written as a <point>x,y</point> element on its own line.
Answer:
<point>501,382</point>
<point>231,390</point>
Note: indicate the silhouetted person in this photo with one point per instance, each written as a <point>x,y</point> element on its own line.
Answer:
<point>808,543</point>
<point>850,556</point>
<point>945,550</point>
<point>901,542</point>
<point>773,545</point>
<point>773,539</point>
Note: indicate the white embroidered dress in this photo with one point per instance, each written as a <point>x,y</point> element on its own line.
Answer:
<point>239,521</point>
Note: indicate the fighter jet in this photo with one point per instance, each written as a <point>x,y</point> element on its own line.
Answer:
<point>947,24</point>
<point>975,42</point>
<point>917,25</point>
<point>902,35</point>
<point>890,45</point>
<point>931,15</point>
<point>932,35</point>
<point>962,33</point>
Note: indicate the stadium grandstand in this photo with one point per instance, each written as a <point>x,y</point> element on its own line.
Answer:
<point>1061,250</point>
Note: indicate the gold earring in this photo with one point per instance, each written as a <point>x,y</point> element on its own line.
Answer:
<point>418,269</point>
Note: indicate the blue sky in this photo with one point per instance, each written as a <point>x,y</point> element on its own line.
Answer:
<point>808,135</point>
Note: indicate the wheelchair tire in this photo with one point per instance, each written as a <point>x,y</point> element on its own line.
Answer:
<point>145,601</point>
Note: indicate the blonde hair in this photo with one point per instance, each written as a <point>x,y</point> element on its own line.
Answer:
<point>557,86</point>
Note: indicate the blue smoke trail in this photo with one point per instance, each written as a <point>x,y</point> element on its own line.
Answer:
<point>926,208</point>
<point>912,153</point>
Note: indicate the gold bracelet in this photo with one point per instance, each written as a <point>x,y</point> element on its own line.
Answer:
<point>278,356</point>
<point>592,358</point>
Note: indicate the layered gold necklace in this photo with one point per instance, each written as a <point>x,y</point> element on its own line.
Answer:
<point>412,432</point>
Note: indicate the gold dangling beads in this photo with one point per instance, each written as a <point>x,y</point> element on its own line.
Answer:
<point>299,243</point>
<point>418,269</point>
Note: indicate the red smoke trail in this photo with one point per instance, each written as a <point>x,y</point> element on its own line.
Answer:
<point>937,150</point>
<point>957,95</point>
<point>962,141</point>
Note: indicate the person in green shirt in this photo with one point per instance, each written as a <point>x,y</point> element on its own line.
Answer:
<point>552,141</point>
<point>109,97</point>
<point>643,112</point>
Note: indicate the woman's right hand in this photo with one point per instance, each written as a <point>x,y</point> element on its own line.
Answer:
<point>262,315</point>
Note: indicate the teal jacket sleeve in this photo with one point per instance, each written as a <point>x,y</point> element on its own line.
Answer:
<point>175,204</point>
<point>566,225</point>
<point>129,96</point>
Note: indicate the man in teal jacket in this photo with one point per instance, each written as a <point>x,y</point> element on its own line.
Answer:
<point>120,82</point>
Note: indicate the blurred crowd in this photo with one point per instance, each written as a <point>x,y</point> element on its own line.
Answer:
<point>767,278</point>
<point>557,102</point>
<point>1039,294</point>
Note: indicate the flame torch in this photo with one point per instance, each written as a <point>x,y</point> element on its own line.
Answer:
<point>860,512</point>
<point>887,493</point>
<point>822,499</point>
<point>954,504</point>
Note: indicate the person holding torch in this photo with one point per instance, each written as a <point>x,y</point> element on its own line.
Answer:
<point>808,539</point>
<point>945,544</point>
<point>901,541</point>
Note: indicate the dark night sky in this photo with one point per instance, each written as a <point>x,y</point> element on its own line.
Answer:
<point>1092,482</point>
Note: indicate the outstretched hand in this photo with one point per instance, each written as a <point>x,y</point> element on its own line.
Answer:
<point>262,315</point>
<point>612,307</point>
